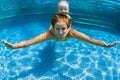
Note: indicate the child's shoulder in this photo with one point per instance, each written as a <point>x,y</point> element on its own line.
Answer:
<point>68,15</point>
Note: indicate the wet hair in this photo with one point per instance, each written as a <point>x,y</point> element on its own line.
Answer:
<point>62,2</point>
<point>61,17</point>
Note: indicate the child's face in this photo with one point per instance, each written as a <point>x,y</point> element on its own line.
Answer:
<point>60,29</point>
<point>63,8</point>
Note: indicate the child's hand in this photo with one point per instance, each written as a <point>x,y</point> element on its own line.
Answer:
<point>8,44</point>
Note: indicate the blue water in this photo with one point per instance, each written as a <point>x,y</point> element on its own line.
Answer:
<point>50,60</point>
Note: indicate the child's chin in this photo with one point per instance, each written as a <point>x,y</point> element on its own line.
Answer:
<point>63,13</point>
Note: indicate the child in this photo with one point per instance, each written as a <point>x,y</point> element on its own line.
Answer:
<point>60,25</point>
<point>63,8</point>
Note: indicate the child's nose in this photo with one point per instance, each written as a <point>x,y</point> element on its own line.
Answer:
<point>63,10</point>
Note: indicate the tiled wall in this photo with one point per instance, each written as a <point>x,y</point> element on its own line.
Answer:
<point>10,8</point>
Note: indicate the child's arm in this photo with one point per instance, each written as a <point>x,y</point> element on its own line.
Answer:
<point>81,36</point>
<point>40,38</point>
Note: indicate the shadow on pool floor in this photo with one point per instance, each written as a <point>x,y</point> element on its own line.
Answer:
<point>47,56</point>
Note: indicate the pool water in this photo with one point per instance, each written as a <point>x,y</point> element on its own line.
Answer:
<point>50,60</point>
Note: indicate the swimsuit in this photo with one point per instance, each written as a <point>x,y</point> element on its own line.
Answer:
<point>66,39</point>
